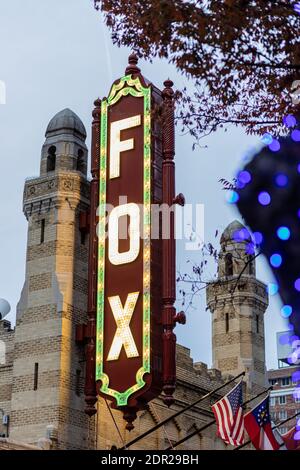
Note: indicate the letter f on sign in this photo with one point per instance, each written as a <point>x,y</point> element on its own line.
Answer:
<point>117,145</point>
<point>123,336</point>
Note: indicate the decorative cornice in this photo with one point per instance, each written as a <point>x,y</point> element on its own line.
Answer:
<point>45,189</point>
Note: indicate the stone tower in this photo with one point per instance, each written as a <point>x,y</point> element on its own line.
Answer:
<point>238,301</point>
<point>48,374</point>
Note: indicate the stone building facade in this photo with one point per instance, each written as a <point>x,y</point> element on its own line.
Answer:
<point>42,376</point>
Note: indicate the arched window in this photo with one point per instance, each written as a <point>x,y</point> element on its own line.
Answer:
<point>227,322</point>
<point>80,166</point>
<point>51,159</point>
<point>228,265</point>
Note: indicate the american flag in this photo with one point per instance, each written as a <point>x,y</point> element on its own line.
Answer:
<point>229,416</point>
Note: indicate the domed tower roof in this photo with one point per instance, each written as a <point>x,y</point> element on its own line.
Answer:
<point>231,229</point>
<point>66,122</point>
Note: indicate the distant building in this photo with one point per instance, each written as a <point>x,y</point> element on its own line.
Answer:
<point>284,403</point>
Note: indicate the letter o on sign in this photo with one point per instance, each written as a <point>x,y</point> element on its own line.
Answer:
<point>133,212</point>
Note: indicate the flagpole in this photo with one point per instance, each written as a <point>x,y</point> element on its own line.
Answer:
<point>197,431</point>
<point>188,407</point>
<point>274,427</point>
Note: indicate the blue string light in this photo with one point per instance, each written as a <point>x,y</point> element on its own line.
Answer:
<point>274,145</point>
<point>232,197</point>
<point>264,198</point>
<point>272,288</point>
<point>267,138</point>
<point>276,260</point>
<point>295,135</point>
<point>284,339</point>
<point>283,233</point>
<point>258,238</point>
<point>244,177</point>
<point>289,120</point>
<point>286,311</point>
<point>296,376</point>
<point>250,249</point>
<point>281,180</point>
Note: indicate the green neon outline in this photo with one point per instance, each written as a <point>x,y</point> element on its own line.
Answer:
<point>133,88</point>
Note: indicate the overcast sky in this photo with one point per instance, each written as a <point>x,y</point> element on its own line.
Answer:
<point>57,54</point>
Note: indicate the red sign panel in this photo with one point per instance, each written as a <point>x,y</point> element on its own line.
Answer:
<point>129,327</point>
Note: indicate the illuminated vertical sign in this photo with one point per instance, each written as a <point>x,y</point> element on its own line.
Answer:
<point>129,330</point>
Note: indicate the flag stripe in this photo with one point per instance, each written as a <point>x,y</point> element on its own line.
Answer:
<point>220,420</point>
<point>237,428</point>
<point>226,422</point>
<point>240,435</point>
<point>227,403</point>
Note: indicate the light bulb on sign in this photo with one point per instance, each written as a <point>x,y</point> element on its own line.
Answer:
<point>117,145</point>
<point>123,336</point>
<point>115,257</point>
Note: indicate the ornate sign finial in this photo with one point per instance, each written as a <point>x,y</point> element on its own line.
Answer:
<point>132,67</point>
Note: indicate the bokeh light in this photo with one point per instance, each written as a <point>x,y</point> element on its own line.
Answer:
<point>296,376</point>
<point>297,284</point>
<point>258,237</point>
<point>232,197</point>
<point>264,198</point>
<point>267,138</point>
<point>276,260</point>
<point>281,180</point>
<point>250,249</point>
<point>286,311</point>
<point>274,145</point>
<point>295,135</point>
<point>244,177</point>
<point>297,436</point>
<point>284,339</point>
<point>290,360</point>
<point>289,120</point>
<point>245,233</point>
<point>283,233</point>
<point>272,288</point>
<point>295,356</point>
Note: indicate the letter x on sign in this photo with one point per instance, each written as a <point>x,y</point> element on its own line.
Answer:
<point>123,336</point>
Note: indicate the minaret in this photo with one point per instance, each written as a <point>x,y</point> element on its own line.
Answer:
<point>238,301</point>
<point>48,373</point>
